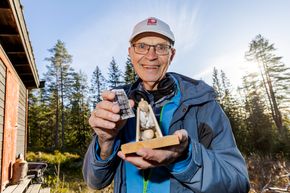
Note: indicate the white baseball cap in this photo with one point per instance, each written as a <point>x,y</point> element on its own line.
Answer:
<point>155,25</point>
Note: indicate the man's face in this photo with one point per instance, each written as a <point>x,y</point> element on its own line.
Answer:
<point>151,67</point>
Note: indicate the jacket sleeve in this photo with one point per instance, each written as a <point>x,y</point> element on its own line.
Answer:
<point>219,167</point>
<point>99,173</point>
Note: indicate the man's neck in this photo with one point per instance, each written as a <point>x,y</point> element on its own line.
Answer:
<point>150,86</point>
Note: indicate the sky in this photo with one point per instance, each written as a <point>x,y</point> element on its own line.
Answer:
<point>208,33</point>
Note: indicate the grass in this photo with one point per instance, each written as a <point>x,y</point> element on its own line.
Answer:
<point>64,173</point>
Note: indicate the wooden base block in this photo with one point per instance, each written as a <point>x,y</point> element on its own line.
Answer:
<point>152,143</point>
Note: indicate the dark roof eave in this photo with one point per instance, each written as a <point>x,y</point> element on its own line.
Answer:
<point>23,33</point>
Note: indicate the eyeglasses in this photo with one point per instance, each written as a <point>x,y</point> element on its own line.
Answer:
<point>160,49</point>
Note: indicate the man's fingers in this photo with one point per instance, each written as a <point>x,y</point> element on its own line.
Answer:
<point>136,160</point>
<point>131,103</point>
<point>101,123</point>
<point>108,95</point>
<point>121,155</point>
<point>107,115</point>
<point>155,155</point>
<point>109,106</point>
<point>146,153</point>
<point>182,135</point>
<point>107,103</point>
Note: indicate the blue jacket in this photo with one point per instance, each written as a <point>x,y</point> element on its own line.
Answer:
<point>213,163</point>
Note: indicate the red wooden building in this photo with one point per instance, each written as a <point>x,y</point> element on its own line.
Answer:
<point>18,74</point>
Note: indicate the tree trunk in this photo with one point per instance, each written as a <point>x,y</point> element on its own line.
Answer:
<point>56,121</point>
<point>62,110</point>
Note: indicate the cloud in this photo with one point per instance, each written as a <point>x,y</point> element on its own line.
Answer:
<point>107,35</point>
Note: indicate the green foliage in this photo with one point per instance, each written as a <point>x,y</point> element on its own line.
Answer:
<point>115,74</point>
<point>55,178</point>
<point>258,114</point>
<point>58,114</point>
<point>98,84</point>
<point>274,76</point>
<point>257,117</point>
<point>55,158</point>
<point>69,178</point>
<point>58,86</point>
<point>130,75</point>
<point>232,107</point>
<point>78,129</point>
<point>41,119</point>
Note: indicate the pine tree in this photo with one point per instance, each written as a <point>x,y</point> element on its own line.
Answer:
<point>231,105</point>
<point>58,84</point>
<point>97,85</point>
<point>275,77</point>
<point>34,129</point>
<point>259,125</point>
<point>217,85</point>
<point>40,120</point>
<point>130,75</point>
<point>79,131</point>
<point>114,74</point>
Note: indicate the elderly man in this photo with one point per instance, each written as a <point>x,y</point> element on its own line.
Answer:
<point>207,158</point>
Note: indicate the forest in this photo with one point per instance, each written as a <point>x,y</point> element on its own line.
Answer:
<point>259,112</point>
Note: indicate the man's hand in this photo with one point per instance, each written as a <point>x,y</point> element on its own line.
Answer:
<point>106,122</point>
<point>148,158</point>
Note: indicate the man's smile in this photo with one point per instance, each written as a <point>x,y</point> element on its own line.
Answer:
<point>150,67</point>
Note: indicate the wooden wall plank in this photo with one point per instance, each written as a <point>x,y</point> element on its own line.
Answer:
<point>2,98</point>
<point>21,122</point>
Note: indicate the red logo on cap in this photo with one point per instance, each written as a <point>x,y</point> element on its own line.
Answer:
<point>152,21</point>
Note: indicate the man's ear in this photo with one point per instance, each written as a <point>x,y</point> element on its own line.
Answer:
<point>129,53</point>
<point>172,54</point>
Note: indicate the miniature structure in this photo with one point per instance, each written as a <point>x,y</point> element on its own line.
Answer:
<point>122,99</point>
<point>147,126</point>
<point>148,132</point>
